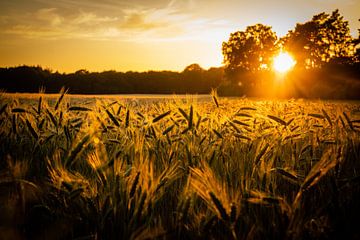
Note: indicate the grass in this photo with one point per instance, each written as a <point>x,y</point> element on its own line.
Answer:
<point>179,169</point>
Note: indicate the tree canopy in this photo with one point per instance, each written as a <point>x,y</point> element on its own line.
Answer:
<point>327,59</point>
<point>324,38</point>
<point>251,49</point>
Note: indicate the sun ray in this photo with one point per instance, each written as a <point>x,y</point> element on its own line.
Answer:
<point>283,62</point>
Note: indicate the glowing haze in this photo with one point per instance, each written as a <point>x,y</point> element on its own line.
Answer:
<point>283,62</point>
<point>140,35</point>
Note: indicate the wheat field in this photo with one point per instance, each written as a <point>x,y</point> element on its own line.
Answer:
<point>178,168</point>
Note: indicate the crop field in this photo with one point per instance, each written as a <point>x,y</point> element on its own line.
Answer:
<point>178,168</point>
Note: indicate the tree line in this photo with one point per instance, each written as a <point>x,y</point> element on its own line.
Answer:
<point>327,66</point>
<point>193,79</point>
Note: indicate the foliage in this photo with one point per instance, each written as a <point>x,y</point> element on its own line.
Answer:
<point>357,47</point>
<point>322,43</point>
<point>252,49</point>
<point>178,169</point>
<point>324,37</point>
<point>194,68</point>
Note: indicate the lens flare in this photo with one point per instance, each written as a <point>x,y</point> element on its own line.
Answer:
<point>283,62</point>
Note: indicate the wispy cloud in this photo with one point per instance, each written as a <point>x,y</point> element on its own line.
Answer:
<point>139,20</point>
<point>172,20</point>
<point>51,23</point>
<point>49,15</point>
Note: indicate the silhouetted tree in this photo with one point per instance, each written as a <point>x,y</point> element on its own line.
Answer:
<point>318,41</point>
<point>251,49</point>
<point>193,68</point>
<point>357,52</point>
<point>82,72</point>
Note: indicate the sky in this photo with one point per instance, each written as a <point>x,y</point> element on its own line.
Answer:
<point>142,35</point>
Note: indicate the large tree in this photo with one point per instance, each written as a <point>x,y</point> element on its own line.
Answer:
<point>325,37</point>
<point>251,49</point>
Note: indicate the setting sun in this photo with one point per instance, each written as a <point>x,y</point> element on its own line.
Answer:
<point>283,62</point>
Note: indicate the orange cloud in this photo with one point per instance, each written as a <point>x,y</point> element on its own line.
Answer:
<point>137,20</point>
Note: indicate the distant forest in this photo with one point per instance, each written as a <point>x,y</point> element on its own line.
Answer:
<point>327,66</point>
<point>30,79</point>
<point>333,80</point>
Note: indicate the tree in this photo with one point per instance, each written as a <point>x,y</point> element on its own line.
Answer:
<point>320,40</point>
<point>357,49</point>
<point>82,72</point>
<point>193,68</point>
<point>251,49</point>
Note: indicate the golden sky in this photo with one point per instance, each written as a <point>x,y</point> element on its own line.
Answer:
<point>141,35</point>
